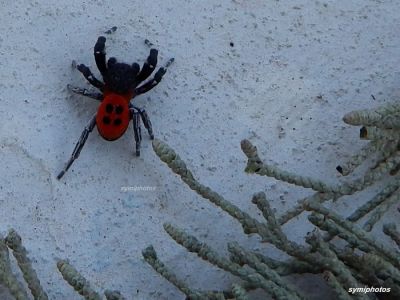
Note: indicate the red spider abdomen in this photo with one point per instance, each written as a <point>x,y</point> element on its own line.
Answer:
<point>113,116</point>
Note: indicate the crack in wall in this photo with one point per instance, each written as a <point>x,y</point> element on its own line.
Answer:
<point>14,148</point>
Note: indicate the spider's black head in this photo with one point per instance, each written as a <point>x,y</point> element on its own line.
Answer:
<point>121,77</point>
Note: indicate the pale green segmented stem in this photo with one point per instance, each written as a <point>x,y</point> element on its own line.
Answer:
<point>13,241</point>
<point>77,281</point>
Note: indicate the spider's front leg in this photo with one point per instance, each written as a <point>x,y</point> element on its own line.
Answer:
<point>148,66</point>
<point>100,55</point>
<point>155,80</point>
<point>79,145</point>
<point>90,77</point>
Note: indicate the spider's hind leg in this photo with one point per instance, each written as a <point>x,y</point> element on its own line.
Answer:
<point>79,145</point>
<point>146,121</point>
<point>137,130</point>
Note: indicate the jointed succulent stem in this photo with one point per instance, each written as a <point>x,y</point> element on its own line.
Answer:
<point>372,264</point>
<point>13,241</point>
<point>332,281</point>
<point>391,231</point>
<point>255,165</point>
<point>207,253</point>
<point>270,231</point>
<point>359,234</point>
<point>7,277</point>
<point>177,165</point>
<point>386,116</point>
<point>337,267</point>
<point>77,281</point>
<point>150,256</point>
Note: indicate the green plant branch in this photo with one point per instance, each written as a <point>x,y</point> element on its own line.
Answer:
<point>339,269</point>
<point>14,242</point>
<point>178,166</point>
<point>381,210</point>
<point>252,260</point>
<point>385,116</point>
<point>113,295</point>
<point>357,159</point>
<point>378,199</point>
<point>255,165</point>
<point>150,255</point>
<point>299,207</point>
<point>356,240</point>
<point>205,252</point>
<point>391,231</point>
<point>7,277</point>
<point>337,287</point>
<point>239,292</point>
<point>274,227</point>
<point>77,281</point>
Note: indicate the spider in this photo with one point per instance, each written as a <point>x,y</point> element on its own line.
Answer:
<point>122,82</point>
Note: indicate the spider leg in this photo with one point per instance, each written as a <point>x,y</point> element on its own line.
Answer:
<point>89,76</point>
<point>79,145</point>
<point>100,55</point>
<point>137,130</point>
<point>148,66</point>
<point>85,92</point>
<point>148,43</point>
<point>155,80</point>
<point>146,120</point>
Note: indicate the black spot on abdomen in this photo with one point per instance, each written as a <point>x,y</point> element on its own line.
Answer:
<point>119,109</point>
<point>109,108</point>
<point>106,120</point>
